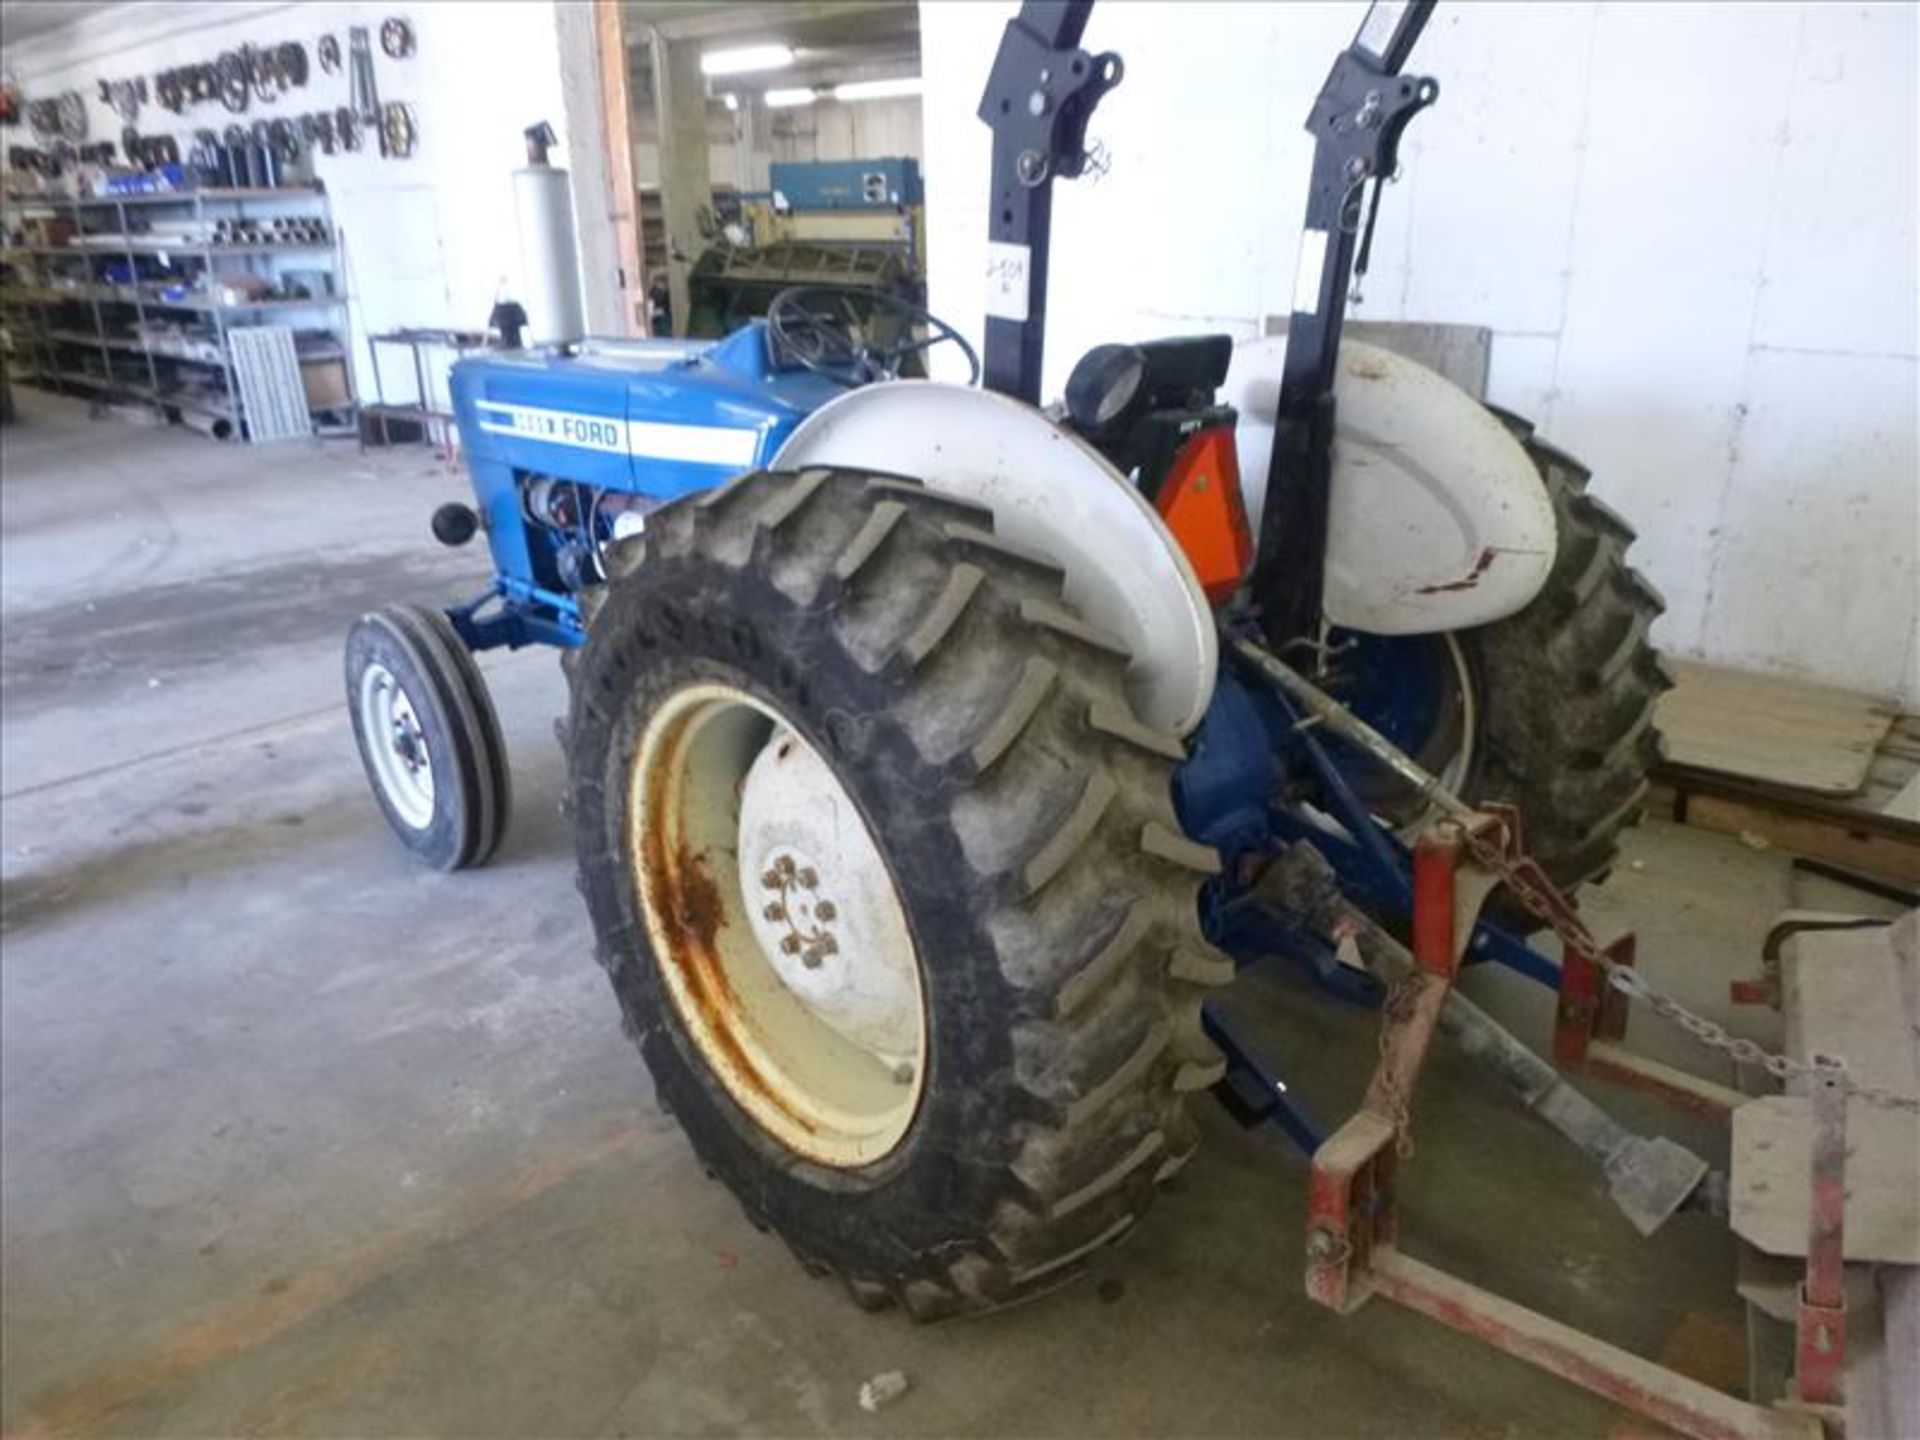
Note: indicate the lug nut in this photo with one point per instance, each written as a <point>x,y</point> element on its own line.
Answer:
<point>807,878</point>
<point>770,879</point>
<point>789,944</point>
<point>775,911</point>
<point>825,910</point>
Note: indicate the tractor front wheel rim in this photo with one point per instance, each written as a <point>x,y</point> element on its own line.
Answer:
<point>777,927</point>
<point>398,744</point>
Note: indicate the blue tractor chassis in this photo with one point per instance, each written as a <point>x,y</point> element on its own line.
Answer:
<point>655,421</point>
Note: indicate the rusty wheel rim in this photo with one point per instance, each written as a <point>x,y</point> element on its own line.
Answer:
<point>776,926</point>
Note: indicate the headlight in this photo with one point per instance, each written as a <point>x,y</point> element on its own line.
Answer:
<point>1104,385</point>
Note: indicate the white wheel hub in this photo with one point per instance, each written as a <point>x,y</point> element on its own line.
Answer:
<point>398,744</point>
<point>820,901</point>
<point>776,926</point>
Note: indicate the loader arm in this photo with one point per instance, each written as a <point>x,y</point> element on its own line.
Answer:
<point>1039,97</point>
<point>1040,94</point>
<point>1357,121</point>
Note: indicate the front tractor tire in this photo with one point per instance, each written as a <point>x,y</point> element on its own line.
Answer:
<point>428,736</point>
<point>964,1072</point>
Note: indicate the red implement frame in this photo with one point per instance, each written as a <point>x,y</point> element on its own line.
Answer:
<point>1591,1020</point>
<point>1820,1346</point>
<point>1352,1202</point>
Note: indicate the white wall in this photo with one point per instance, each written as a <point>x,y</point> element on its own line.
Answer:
<point>825,130</point>
<point>1691,226</point>
<point>429,239</point>
<point>864,129</point>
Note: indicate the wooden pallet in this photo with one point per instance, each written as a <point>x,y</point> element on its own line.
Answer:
<point>1873,831</point>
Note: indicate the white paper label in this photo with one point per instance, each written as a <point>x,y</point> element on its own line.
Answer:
<point>1007,267</point>
<point>1306,278</point>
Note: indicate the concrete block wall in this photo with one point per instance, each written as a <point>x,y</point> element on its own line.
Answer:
<point>1691,227</point>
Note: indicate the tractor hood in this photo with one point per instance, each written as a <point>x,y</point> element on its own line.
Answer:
<point>660,417</point>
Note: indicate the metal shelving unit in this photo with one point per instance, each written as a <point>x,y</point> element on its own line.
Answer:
<point>70,323</point>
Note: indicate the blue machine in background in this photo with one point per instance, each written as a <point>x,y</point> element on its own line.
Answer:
<point>888,182</point>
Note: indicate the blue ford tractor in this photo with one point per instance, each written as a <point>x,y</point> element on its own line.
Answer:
<point>933,756</point>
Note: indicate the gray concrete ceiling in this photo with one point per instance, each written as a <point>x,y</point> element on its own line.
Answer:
<point>834,40</point>
<point>800,23</point>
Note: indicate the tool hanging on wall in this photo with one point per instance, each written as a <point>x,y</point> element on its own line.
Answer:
<point>236,89</point>
<point>284,140</point>
<point>364,95</point>
<point>262,74</point>
<point>398,133</point>
<point>124,97</point>
<point>73,116</point>
<point>396,38</point>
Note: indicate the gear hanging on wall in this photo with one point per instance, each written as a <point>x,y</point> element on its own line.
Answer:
<point>234,135</point>
<point>263,74</point>
<point>323,132</point>
<point>236,88</point>
<point>291,59</point>
<point>72,116</point>
<point>398,133</point>
<point>284,141</point>
<point>124,97</point>
<point>347,128</point>
<point>328,50</point>
<point>131,145</point>
<point>396,38</point>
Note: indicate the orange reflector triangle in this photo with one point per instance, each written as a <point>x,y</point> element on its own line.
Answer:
<point>1203,507</point>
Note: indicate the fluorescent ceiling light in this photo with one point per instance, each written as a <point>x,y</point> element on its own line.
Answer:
<point>745,60</point>
<point>787,99</point>
<point>730,100</point>
<point>878,89</point>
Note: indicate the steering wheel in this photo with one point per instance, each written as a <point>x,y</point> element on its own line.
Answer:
<point>856,336</point>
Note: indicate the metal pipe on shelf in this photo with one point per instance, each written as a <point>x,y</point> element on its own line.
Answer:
<point>205,422</point>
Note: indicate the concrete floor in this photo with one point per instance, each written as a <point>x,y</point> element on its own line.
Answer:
<point>299,1139</point>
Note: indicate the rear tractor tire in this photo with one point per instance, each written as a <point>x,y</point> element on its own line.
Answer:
<point>1567,689</point>
<point>887,880</point>
<point>428,735</point>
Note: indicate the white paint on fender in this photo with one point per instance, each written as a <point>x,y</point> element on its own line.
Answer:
<point>1438,519</point>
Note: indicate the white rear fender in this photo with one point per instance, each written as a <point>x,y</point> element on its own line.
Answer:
<point>1438,519</point>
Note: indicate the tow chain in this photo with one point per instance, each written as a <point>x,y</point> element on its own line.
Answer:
<point>1545,903</point>
<point>1576,937</point>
